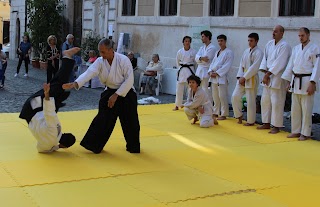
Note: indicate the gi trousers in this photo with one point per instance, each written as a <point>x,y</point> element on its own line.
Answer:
<point>236,99</point>
<point>301,114</point>
<point>179,93</point>
<point>272,105</point>
<point>220,99</point>
<point>56,91</point>
<point>103,124</point>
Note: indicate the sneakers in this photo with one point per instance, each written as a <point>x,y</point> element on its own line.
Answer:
<point>26,75</point>
<point>1,86</point>
<point>15,75</point>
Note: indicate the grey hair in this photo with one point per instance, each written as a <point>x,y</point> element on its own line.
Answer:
<point>156,55</point>
<point>106,42</point>
<point>69,36</point>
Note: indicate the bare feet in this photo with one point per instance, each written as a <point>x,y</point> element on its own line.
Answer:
<point>303,138</point>
<point>274,130</point>
<point>215,122</point>
<point>175,108</point>
<point>294,135</point>
<point>69,53</point>
<point>195,120</point>
<point>248,124</point>
<point>239,120</point>
<point>264,126</point>
<point>222,118</point>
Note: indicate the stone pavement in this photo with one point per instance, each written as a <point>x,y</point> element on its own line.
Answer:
<point>18,89</point>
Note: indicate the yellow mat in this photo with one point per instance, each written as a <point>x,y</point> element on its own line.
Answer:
<point>180,165</point>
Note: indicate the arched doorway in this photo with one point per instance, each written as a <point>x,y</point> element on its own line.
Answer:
<point>17,41</point>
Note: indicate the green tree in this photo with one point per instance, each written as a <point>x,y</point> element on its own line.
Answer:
<point>45,19</point>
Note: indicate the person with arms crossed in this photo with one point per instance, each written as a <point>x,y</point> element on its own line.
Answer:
<point>248,81</point>
<point>302,73</point>
<point>204,58</point>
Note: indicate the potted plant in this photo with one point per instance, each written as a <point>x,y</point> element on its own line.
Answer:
<point>35,62</point>
<point>90,42</point>
<point>45,19</point>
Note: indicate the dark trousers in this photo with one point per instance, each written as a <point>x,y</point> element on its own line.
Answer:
<point>26,63</point>
<point>52,69</point>
<point>2,73</point>
<point>102,125</point>
<point>56,91</point>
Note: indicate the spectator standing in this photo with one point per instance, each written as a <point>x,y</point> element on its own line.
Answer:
<point>24,51</point>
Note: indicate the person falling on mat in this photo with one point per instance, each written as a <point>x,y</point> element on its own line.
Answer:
<point>40,109</point>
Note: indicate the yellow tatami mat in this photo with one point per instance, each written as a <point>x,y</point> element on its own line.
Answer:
<point>180,164</point>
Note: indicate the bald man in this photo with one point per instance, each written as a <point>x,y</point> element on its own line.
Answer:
<point>276,56</point>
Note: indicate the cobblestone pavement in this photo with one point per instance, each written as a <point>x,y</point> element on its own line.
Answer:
<point>18,89</point>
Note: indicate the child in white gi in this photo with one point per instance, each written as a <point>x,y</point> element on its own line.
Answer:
<point>198,104</point>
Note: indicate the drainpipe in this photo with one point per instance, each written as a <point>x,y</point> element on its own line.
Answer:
<point>106,18</point>
<point>25,16</point>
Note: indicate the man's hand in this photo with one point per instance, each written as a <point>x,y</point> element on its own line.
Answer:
<point>242,81</point>
<point>266,79</point>
<point>201,109</point>
<point>70,85</point>
<point>311,88</point>
<point>213,74</point>
<point>112,100</point>
<point>46,89</point>
<point>205,59</point>
<point>288,86</point>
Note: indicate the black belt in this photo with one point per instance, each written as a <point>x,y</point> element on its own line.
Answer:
<point>184,66</point>
<point>300,76</point>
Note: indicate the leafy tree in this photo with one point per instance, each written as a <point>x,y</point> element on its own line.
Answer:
<point>45,19</point>
<point>90,42</point>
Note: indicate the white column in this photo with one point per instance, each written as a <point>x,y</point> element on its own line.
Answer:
<point>156,8</point>
<point>120,8</point>
<point>236,8</point>
<point>137,8</point>
<point>106,18</point>
<point>317,9</point>
<point>93,26</point>
<point>206,6</point>
<point>178,8</point>
<point>275,5</point>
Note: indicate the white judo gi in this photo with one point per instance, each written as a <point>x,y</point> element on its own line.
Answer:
<point>275,59</point>
<point>203,67</point>
<point>45,126</point>
<point>221,64</point>
<point>200,98</point>
<point>248,69</point>
<point>302,68</point>
<point>185,63</point>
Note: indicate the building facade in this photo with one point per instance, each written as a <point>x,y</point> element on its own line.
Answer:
<point>4,21</point>
<point>99,17</point>
<point>158,26</point>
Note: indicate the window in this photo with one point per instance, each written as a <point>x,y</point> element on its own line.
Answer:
<point>297,8</point>
<point>128,7</point>
<point>168,7</point>
<point>221,7</point>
